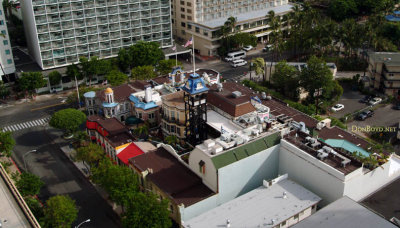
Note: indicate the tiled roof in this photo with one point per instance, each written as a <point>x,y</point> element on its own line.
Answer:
<point>225,101</point>
<point>140,84</point>
<point>172,177</point>
<point>246,150</point>
<point>111,125</point>
<point>121,93</point>
<point>174,100</point>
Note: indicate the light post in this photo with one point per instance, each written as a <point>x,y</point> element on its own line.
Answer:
<point>88,220</point>
<point>23,157</point>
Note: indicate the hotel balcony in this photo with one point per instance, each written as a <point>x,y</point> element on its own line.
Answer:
<point>45,46</point>
<point>55,28</point>
<point>54,19</point>
<point>39,12</point>
<point>44,38</point>
<point>66,25</point>
<point>69,43</point>
<point>64,8</point>
<point>133,1</point>
<point>55,37</point>
<point>52,10</point>
<point>165,12</point>
<point>37,2</point>
<point>42,29</point>
<point>51,1</point>
<point>112,2</point>
<point>123,1</point>
<point>101,4</point>
<point>69,34</point>
<point>72,59</point>
<point>105,46</point>
<point>134,8</point>
<point>89,5</point>
<point>47,56</point>
<point>123,9</point>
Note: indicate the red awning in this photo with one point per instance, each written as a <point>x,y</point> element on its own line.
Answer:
<point>129,152</point>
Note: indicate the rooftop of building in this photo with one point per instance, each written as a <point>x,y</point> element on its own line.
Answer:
<point>121,93</point>
<point>232,98</point>
<point>132,150</point>
<point>344,213</point>
<point>174,100</point>
<point>140,84</point>
<point>389,58</point>
<point>111,125</point>
<point>279,108</point>
<point>243,18</point>
<point>147,99</point>
<point>301,65</point>
<point>323,152</point>
<point>262,207</point>
<point>211,74</point>
<point>10,209</point>
<point>172,177</point>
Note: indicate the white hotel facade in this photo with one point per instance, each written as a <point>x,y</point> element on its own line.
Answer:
<point>6,56</point>
<point>60,31</point>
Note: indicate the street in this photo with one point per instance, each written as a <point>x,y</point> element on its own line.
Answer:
<point>51,164</point>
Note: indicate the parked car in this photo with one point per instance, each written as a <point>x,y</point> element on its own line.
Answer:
<point>238,62</point>
<point>366,99</point>
<point>365,114</point>
<point>247,48</point>
<point>375,100</point>
<point>267,48</point>
<point>396,106</point>
<point>337,107</point>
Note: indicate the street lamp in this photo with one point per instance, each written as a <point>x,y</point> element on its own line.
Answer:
<point>23,157</point>
<point>88,220</point>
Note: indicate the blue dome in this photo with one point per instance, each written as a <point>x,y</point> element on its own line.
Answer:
<point>195,84</point>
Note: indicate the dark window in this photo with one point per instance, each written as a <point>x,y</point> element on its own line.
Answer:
<point>189,26</point>
<point>189,18</point>
<point>182,9</point>
<point>183,16</point>
<point>197,29</point>
<point>182,3</point>
<point>188,3</point>
<point>189,11</point>
<point>183,24</point>
<point>205,33</point>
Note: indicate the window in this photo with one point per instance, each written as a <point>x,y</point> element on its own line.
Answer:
<point>183,24</point>
<point>296,217</point>
<point>313,207</point>
<point>1,12</point>
<point>1,22</point>
<point>202,167</point>
<point>391,75</point>
<point>183,16</point>
<point>188,3</point>
<point>9,61</point>
<point>173,129</point>
<point>197,29</point>
<point>140,115</point>
<point>151,115</point>
<point>8,52</point>
<point>172,20</point>
<point>189,18</point>
<point>171,208</point>
<point>205,33</point>
<point>189,11</point>
<point>189,26</point>
<point>5,42</point>
<point>283,223</point>
<point>183,32</point>
<point>183,3</point>
<point>182,9</point>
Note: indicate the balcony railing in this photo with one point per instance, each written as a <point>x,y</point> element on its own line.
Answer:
<point>38,12</point>
<point>51,1</point>
<point>69,43</point>
<point>67,8</point>
<point>37,2</point>
<point>55,28</point>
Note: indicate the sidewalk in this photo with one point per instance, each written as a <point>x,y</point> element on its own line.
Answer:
<point>84,169</point>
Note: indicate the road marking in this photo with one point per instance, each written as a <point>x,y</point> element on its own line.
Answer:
<point>35,123</point>
<point>47,106</point>
<point>20,126</point>
<point>25,125</point>
<point>12,128</point>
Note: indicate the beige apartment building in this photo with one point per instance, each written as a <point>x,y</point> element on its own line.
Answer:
<point>384,72</point>
<point>203,19</point>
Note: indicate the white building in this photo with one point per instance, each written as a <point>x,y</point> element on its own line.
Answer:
<point>278,203</point>
<point>59,32</point>
<point>6,56</point>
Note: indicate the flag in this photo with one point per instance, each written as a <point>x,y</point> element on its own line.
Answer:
<point>174,48</point>
<point>189,42</point>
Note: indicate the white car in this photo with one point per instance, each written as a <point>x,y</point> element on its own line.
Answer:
<point>337,107</point>
<point>375,100</point>
<point>247,48</point>
<point>238,62</point>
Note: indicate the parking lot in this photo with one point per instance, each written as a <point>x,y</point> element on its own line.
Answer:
<point>351,101</point>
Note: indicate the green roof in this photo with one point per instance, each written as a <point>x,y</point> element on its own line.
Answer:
<point>246,150</point>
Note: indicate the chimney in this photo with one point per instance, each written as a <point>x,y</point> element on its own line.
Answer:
<point>148,94</point>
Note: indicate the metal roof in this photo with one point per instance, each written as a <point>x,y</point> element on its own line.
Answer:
<point>344,213</point>
<point>246,150</point>
<point>259,207</point>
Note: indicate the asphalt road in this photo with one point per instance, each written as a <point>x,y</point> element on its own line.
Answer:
<point>52,165</point>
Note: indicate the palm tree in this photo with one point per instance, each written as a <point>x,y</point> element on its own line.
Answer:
<point>171,140</point>
<point>231,24</point>
<point>8,5</point>
<point>275,35</point>
<point>258,65</point>
<point>142,131</point>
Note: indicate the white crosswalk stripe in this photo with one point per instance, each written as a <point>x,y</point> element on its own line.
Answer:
<point>27,124</point>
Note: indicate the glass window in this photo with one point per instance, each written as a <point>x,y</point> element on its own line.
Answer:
<point>189,26</point>
<point>5,42</point>
<point>1,22</point>
<point>182,9</point>
<point>183,24</point>
<point>9,61</point>
<point>197,29</point>
<point>183,16</point>
<point>1,12</point>
<point>205,33</point>
<point>8,51</point>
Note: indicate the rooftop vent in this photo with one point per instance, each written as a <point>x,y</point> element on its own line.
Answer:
<point>236,94</point>
<point>268,97</point>
<point>263,95</point>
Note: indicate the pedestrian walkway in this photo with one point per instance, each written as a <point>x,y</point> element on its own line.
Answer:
<point>27,124</point>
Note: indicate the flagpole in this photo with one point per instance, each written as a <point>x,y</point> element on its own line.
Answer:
<point>194,61</point>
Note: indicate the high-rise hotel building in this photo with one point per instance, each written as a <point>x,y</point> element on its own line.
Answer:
<point>203,19</point>
<point>60,31</point>
<point>6,56</point>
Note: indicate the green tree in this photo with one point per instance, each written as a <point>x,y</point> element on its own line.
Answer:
<point>89,67</point>
<point>29,81</point>
<point>230,23</point>
<point>146,53</point>
<point>286,79</point>
<point>165,66</point>
<point>116,77</point>
<point>315,76</point>
<point>29,184</point>
<point>60,212</point>
<point>35,207</point>
<point>119,181</point>
<point>7,143</point>
<point>74,71</point>
<point>54,77</point>
<point>342,9</point>
<point>105,66</point>
<point>258,65</point>
<point>68,120</point>
<point>146,210</point>
<point>8,6</point>
<point>142,131</point>
<point>92,154</point>
<point>125,60</point>
<point>4,91</point>
<point>171,140</point>
<point>143,72</point>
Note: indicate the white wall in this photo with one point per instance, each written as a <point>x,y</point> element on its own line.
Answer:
<point>31,31</point>
<point>210,176</point>
<point>8,68</point>
<point>302,170</point>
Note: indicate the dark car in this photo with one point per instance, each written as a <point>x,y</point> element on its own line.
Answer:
<point>365,114</point>
<point>396,106</point>
<point>366,99</point>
